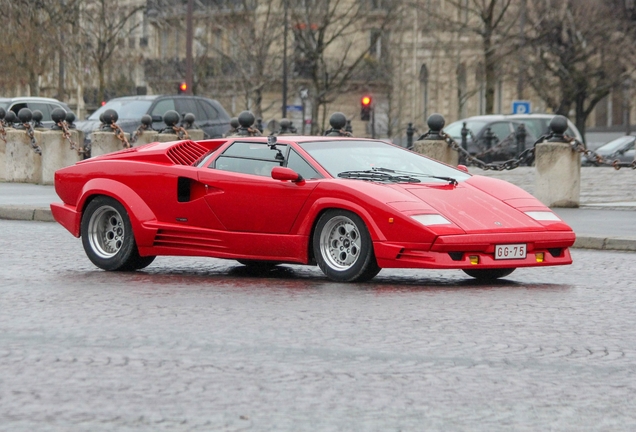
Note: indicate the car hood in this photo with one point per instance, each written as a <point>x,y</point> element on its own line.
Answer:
<point>473,210</point>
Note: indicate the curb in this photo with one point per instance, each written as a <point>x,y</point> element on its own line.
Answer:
<point>26,213</point>
<point>605,243</point>
<point>42,214</point>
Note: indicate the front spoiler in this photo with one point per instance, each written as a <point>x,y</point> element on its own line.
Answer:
<point>454,251</point>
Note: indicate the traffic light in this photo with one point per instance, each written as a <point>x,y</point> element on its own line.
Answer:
<point>183,88</point>
<point>365,108</point>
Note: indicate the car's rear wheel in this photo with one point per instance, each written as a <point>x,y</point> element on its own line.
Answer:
<point>343,247</point>
<point>488,274</point>
<point>107,236</point>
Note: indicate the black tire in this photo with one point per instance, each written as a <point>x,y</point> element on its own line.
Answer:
<point>258,265</point>
<point>107,236</point>
<point>488,274</point>
<point>343,247</point>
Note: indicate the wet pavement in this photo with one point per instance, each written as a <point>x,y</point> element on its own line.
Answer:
<point>202,344</point>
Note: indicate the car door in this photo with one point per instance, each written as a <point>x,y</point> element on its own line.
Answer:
<point>185,105</point>
<point>209,120</point>
<point>245,198</point>
<point>159,109</point>
<point>627,153</point>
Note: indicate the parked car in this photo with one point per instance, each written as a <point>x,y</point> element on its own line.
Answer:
<point>504,127</point>
<point>621,149</point>
<point>210,116</point>
<point>353,206</point>
<point>45,105</point>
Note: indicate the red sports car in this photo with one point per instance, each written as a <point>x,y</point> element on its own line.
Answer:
<point>353,206</point>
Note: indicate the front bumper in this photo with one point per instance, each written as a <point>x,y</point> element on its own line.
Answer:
<point>547,248</point>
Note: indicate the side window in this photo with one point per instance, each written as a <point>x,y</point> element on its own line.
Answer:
<point>209,111</point>
<point>502,130</point>
<point>44,108</point>
<point>301,166</point>
<point>17,107</point>
<point>251,158</point>
<point>163,106</point>
<point>189,105</point>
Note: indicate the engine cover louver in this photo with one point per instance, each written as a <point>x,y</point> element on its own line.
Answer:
<point>186,153</point>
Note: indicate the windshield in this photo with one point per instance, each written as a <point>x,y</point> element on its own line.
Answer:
<point>455,129</point>
<point>615,145</point>
<point>126,108</point>
<point>342,156</point>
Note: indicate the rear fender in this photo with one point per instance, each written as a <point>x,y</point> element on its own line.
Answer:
<point>137,209</point>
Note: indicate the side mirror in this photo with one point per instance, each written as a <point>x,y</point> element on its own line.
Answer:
<point>157,119</point>
<point>462,168</point>
<point>284,173</point>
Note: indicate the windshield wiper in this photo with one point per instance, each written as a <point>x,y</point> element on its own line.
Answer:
<point>378,176</point>
<point>414,174</point>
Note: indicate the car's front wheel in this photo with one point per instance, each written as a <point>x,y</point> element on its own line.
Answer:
<point>343,247</point>
<point>488,274</point>
<point>107,236</point>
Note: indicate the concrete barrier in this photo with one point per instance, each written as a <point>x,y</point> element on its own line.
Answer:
<point>57,152</point>
<point>3,159</point>
<point>22,164</point>
<point>194,135</point>
<point>106,142</point>
<point>146,137</point>
<point>438,150</point>
<point>558,180</point>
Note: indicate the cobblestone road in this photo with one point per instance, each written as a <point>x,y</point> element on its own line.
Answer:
<point>199,344</point>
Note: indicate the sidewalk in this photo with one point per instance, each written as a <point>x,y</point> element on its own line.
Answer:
<point>605,220</point>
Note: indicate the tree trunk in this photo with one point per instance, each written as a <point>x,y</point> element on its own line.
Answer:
<point>34,88</point>
<point>101,94</point>
<point>581,115</point>
<point>491,76</point>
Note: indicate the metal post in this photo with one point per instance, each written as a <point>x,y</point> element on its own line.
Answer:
<point>521,138</point>
<point>409,136</point>
<point>285,61</point>
<point>189,37</point>
<point>464,133</point>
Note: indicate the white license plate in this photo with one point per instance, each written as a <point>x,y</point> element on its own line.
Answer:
<point>510,251</point>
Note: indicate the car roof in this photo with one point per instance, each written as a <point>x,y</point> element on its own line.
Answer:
<point>30,99</point>
<point>306,138</point>
<point>153,97</point>
<point>486,118</point>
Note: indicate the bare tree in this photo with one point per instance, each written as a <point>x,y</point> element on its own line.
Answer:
<point>577,52</point>
<point>105,25</point>
<point>28,56</point>
<point>331,42</point>
<point>491,21</point>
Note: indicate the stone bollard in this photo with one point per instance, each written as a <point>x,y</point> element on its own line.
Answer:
<point>558,179</point>
<point>433,145</point>
<point>57,152</point>
<point>147,137</point>
<point>105,142</point>
<point>22,164</point>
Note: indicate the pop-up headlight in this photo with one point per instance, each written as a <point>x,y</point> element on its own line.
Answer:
<point>431,219</point>
<point>543,216</point>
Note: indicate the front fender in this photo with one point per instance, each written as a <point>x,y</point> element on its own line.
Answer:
<point>322,204</point>
<point>138,211</point>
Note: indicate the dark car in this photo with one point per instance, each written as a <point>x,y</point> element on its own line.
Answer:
<point>620,149</point>
<point>45,105</point>
<point>210,116</point>
<point>503,145</point>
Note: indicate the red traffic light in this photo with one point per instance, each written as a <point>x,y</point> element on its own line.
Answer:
<point>366,100</point>
<point>183,87</point>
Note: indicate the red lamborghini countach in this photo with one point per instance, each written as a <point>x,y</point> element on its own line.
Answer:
<point>353,206</point>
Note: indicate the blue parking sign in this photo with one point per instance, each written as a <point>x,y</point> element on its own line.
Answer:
<point>521,107</point>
